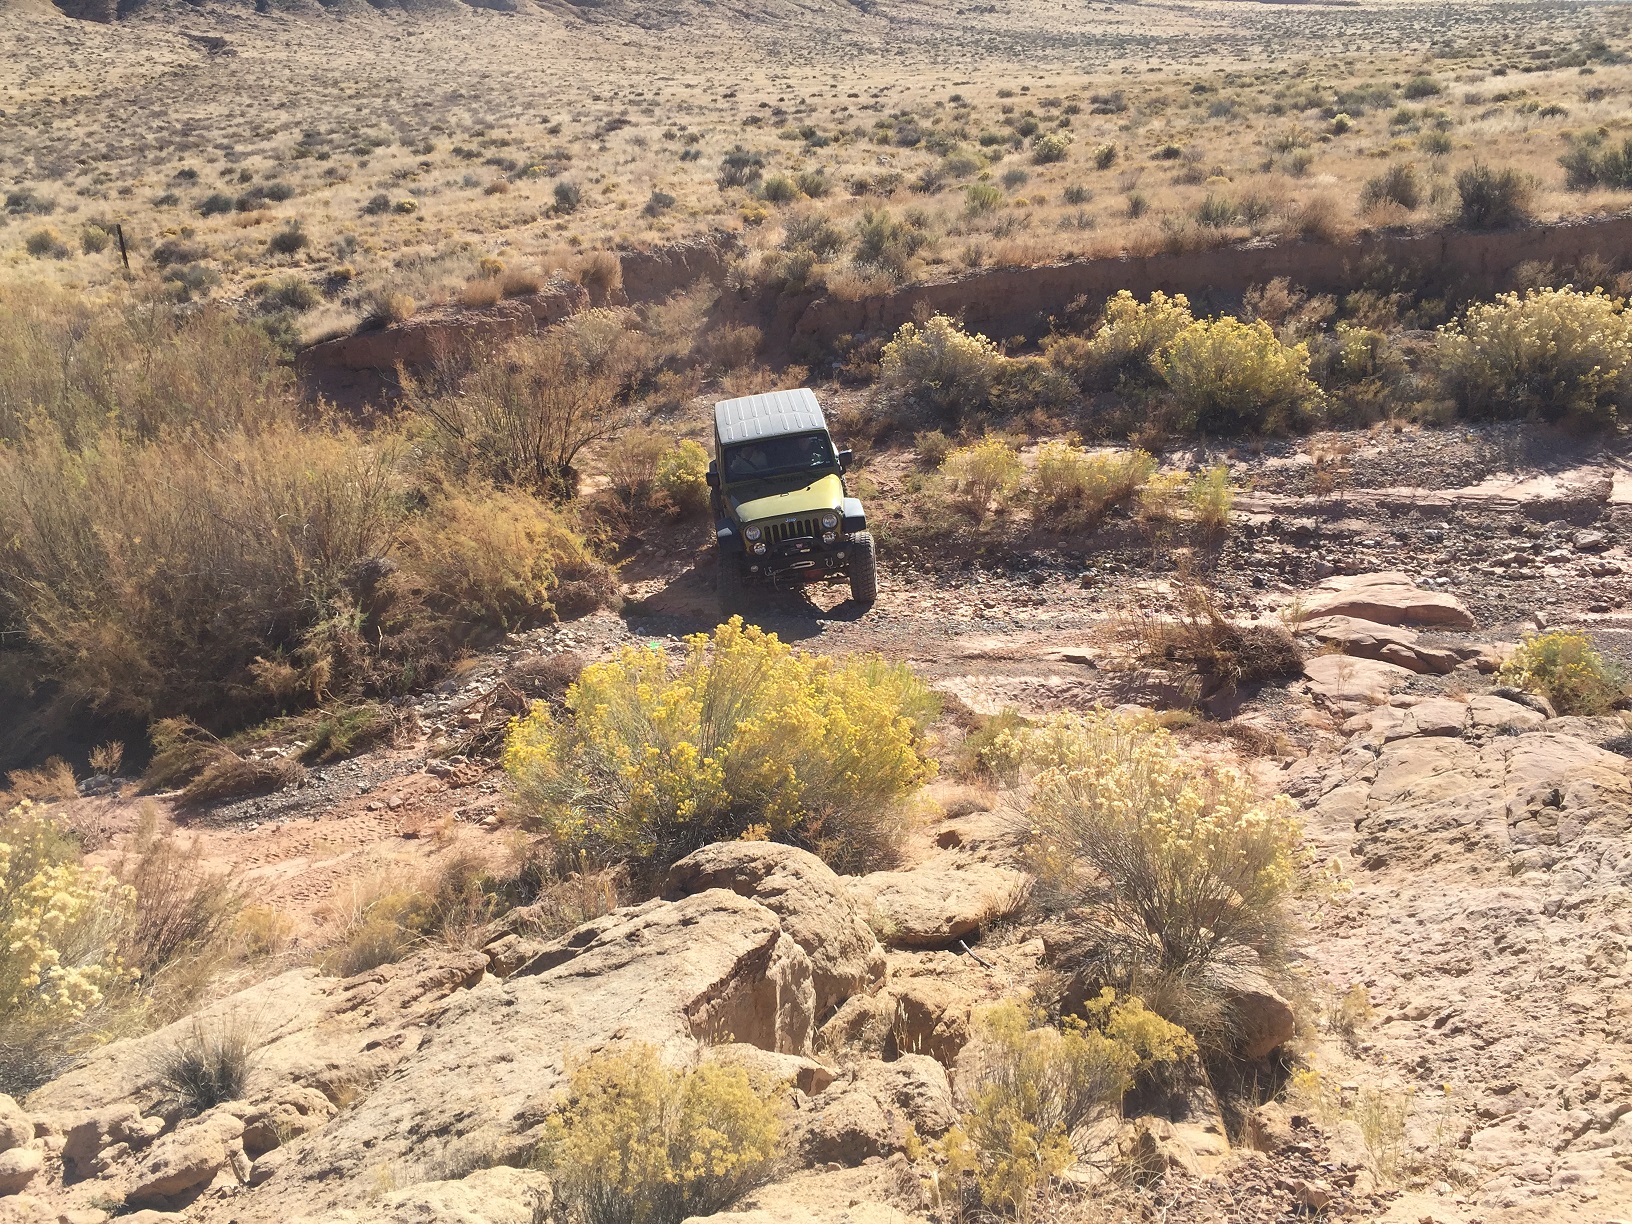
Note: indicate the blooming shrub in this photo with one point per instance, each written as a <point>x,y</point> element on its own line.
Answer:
<point>642,1143</point>
<point>983,476</point>
<point>59,924</point>
<point>680,485</point>
<point>940,366</point>
<point>652,762</point>
<point>1567,670</point>
<point>1029,1084</point>
<point>1554,353</point>
<point>1211,495</point>
<point>1050,147</point>
<point>1181,864</point>
<point>1125,345</point>
<point>1071,484</point>
<point>1227,376</point>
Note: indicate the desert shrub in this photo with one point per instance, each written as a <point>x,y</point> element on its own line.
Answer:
<point>1104,157</point>
<point>933,446</point>
<point>46,243</point>
<point>680,484</point>
<point>1397,184</point>
<point>1227,376</point>
<point>1588,164</point>
<point>814,183</point>
<point>728,348</point>
<point>815,233</point>
<point>941,367</point>
<point>982,198</point>
<point>779,189</point>
<point>568,196</point>
<point>1222,654</point>
<point>94,239</point>
<point>179,917</point>
<point>1566,669</point>
<point>1048,147</point>
<point>1210,496</point>
<point>214,204</point>
<point>1491,199</point>
<point>1421,86</point>
<point>631,461</point>
<point>651,763</point>
<point>887,244</point>
<point>59,961</point>
<point>377,205</point>
<point>209,1066</point>
<point>994,749</point>
<point>1033,387</point>
<point>141,367</point>
<point>1072,485</point>
<point>495,560</point>
<point>638,1141</point>
<point>291,238</point>
<point>1125,343</point>
<point>983,476</point>
<point>1557,354</point>
<point>1180,867</point>
<point>524,415</point>
<point>740,168</point>
<point>346,728</point>
<point>1028,1085</point>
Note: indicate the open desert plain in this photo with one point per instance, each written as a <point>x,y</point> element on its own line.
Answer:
<point>1198,790</point>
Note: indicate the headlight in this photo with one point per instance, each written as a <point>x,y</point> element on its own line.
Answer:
<point>759,550</point>
<point>829,521</point>
<point>751,533</point>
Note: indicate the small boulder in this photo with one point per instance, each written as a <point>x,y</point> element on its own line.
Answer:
<point>187,1159</point>
<point>295,1110</point>
<point>91,1136</point>
<point>15,1127</point>
<point>931,1018</point>
<point>18,1167</point>
<point>1261,1019</point>
<point>915,1085</point>
<point>1388,599</point>
<point>805,1074</point>
<point>1152,1149</point>
<point>1491,713</point>
<point>500,1195</point>
<point>937,904</point>
<point>1349,682</point>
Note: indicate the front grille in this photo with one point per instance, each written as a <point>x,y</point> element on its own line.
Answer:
<point>790,529</point>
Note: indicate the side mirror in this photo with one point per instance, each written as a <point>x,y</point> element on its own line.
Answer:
<point>844,459</point>
<point>713,477</point>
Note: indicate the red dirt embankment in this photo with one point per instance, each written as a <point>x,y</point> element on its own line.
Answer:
<point>1000,302</point>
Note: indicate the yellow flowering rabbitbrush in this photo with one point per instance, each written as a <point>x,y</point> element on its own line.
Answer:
<point>639,1142</point>
<point>1183,863</point>
<point>653,761</point>
<point>59,923</point>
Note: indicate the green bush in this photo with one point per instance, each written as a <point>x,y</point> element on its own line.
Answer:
<point>1226,376</point>
<point>208,1067</point>
<point>291,238</point>
<point>779,189</point>
<point>638,1142</point>
<point>1397,184</point>
<point>746,735</point>
<point>982,198</point>
<point>1588,164</point>
<point>1557,354</point>
<point>1126,342</point>
<point>886,243</point>
<point>46,243</point>
<point>1566,669</point>
<point>1049,147</point>
<point>940,366</point>
<point>1491,199</point>
<point>568,196</point>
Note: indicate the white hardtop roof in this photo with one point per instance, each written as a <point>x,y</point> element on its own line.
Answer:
<point>768,416</point>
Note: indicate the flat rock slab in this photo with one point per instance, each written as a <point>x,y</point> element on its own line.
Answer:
<point>1387,599</point>
<point>934,905</point>
<point>1348,681</point>
<point>1391,643</point>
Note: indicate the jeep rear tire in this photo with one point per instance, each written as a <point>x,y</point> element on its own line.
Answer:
<point>863,568</point>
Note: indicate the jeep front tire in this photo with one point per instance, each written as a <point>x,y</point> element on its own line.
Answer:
<point>863,568</point>
<point>728,584</point>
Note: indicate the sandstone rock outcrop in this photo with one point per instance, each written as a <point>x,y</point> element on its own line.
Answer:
<point>1387,599</point>
<point>816,909</point>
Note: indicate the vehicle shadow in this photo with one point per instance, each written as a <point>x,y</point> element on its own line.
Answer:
<point>688,604</point>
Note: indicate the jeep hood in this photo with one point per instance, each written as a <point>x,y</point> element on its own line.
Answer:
<point>824,493</point>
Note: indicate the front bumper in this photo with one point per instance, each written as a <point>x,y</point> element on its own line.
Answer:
<point>798,561</point>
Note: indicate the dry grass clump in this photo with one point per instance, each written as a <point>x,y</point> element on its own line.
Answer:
<point>1071,485</point>
<point>984,476</point>
<point>209,1066</point>
<point>185,541</point>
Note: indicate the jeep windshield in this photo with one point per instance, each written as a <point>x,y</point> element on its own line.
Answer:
<point>784,456</point>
